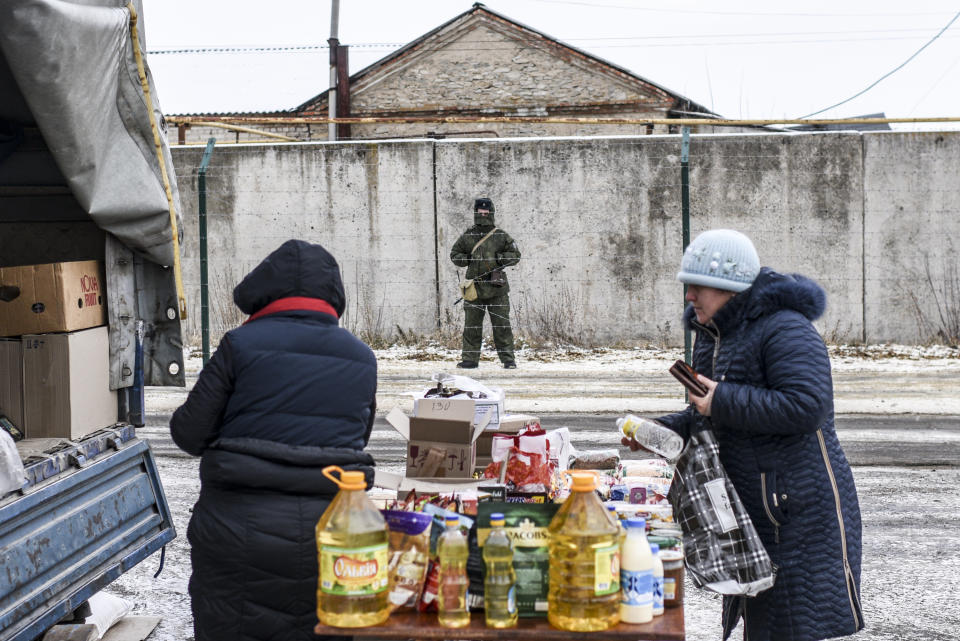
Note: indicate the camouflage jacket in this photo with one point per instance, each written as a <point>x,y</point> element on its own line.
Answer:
<point>496,252</point>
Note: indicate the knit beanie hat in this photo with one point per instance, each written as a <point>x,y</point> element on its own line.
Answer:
<point>720,258</point>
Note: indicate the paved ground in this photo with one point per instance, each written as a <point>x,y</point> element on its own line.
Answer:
<point>906,465</point>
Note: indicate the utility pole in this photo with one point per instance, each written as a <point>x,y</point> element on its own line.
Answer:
<point>334,43</point>
<point>685,216</point>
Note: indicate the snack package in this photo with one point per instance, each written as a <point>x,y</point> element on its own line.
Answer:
<point>428,598</point>
<point>409,556</point>
<point>653,467</point>
<point>646,490</point>
<point>607,459</point>
<point>656,516</point>
<point>438,514</point>
<point>522,460</point>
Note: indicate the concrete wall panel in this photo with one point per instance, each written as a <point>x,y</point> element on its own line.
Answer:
<point>370,205</point>
<point>912,232</point>
<point>799,198</point>
<point>599,223</point>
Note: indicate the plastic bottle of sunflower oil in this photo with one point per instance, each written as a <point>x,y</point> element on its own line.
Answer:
<point>612,510</point>
<point>499,582</point>
<point>584,592</point>
<point>453,582</point>
<point>352,546</point>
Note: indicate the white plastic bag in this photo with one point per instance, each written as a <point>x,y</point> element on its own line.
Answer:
<point>561,448</point>
<point>106,609</point>
<point>466,384</point>
<point>12,475</point>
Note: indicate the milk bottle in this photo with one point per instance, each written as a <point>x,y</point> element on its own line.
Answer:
<point>657,580</point>
<point>636,575</point>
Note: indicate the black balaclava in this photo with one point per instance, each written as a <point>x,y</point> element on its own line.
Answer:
<point>483,221</point>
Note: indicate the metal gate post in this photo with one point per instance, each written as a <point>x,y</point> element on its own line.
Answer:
<point>204,296</point>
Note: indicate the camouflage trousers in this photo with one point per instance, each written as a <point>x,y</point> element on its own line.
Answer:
<point>499,309</point>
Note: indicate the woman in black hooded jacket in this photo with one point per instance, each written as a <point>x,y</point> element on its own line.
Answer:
<point>286,394</point>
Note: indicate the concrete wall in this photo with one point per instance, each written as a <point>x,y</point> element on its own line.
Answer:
<point>371,205</point>
<point>911,271</point>
<point>598,221</point>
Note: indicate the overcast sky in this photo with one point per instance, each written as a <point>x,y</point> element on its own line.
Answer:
<point>742,58</point>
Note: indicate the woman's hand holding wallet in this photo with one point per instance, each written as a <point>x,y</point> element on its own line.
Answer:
<point>700,387</point>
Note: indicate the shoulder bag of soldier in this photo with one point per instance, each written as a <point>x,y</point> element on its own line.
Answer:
<point>468,288</point>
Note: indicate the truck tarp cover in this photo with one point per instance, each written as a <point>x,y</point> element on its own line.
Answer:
<point>73,65</point>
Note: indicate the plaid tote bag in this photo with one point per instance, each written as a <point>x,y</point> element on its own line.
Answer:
<point>722,550</point>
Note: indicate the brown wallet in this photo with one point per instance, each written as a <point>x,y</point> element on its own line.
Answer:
<point>688,378</point>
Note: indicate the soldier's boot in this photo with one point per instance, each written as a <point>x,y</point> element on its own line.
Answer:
<point>472,335</point>
<point>502,332</point>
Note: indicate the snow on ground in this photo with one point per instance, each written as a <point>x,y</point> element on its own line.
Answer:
<point>876,379</point>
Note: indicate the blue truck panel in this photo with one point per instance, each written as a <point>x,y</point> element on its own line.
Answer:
<point>87,515</point>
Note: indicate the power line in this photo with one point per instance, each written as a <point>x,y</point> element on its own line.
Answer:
<point>890,73</point>
<point>596,5</point>
<point>935,85</point>
<point>268,49</point>
<point>684,40</point>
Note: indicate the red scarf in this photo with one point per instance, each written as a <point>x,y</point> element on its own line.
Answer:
<point>295,304</point>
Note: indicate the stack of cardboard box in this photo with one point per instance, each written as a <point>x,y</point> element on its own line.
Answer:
<point>54,350</point>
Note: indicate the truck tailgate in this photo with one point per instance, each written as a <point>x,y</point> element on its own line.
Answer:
<point>87,515</point>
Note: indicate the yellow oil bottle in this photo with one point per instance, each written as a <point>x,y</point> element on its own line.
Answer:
<point>584,594</point>
<point>500,579</point>
<point>352,548</point>
<point>452,551</point>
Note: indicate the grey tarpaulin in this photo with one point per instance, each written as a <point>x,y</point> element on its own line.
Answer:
<point>72,63</point>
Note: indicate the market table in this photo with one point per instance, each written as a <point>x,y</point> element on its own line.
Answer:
<point>668,627</point>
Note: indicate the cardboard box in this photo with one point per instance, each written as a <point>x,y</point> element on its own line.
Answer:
<point>441,442</point>
<point>11,381</point>
<point>485,445</point>
<point>481,464</point>
<point>66,384</point>
<point>489,409</point>
<point>54,297</point>
<point>400,483</point>
<point>513,423</point>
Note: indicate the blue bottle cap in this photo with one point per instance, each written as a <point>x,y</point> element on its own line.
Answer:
<point>496,516</point>
<point>654,548</point>
<point>636,522</point>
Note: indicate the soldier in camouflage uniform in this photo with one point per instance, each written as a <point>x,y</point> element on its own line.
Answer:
<point>485,267</point>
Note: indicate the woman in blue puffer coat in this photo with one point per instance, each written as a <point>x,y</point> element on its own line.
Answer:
<point>286,394</point>
<point>770,405</point>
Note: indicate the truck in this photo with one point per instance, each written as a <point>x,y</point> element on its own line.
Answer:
<point>86,174</point>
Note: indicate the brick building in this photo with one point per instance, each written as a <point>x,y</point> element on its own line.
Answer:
<point>482,64</point>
